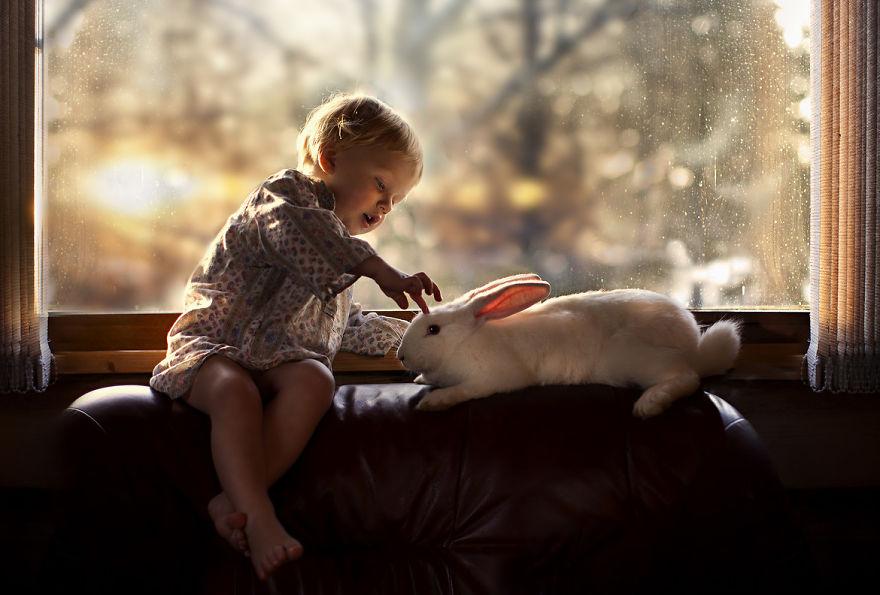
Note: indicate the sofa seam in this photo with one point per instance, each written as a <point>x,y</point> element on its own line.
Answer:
<point>89,417</point>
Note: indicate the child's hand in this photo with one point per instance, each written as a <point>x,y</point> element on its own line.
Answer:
<point>396,284</point>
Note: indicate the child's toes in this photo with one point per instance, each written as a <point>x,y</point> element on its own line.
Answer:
<point>262,566</point>
<point>239,538</point>
<point>268,567</point>
<point>230,527</point>
<point>236,520</point>
<point>240,541</point>
<point>294,551</point>
<point>269,561</point>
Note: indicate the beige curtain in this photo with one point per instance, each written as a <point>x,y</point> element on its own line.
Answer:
<point>27,363</point>
<point>844,352</point>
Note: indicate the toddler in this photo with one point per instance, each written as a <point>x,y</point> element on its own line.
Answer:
<point>269,305</point>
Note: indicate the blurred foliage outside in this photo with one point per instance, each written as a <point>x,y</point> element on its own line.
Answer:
<point>600,143</point>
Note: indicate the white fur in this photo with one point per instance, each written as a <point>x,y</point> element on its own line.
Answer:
<point>620,338</point>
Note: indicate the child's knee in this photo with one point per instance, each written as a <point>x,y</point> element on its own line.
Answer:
<point>223,384</point>
<point>319,382</point>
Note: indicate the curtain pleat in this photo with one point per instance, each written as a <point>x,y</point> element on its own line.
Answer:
<point>27,362</point>
<point>844,351</point>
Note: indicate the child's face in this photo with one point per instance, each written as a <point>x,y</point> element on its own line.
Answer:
<point>367,183</point>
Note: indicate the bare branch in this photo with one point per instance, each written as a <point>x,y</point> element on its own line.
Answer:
<point>265,31</point>
<point>368,13</point>
<point>526,74</point>
<point>73,8</point>
<point>440,21</point>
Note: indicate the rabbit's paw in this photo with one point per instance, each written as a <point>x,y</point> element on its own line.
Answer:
<point>652,402</point>
<point>428,404</point>
<point>440,399</point>
<point>420,379</point>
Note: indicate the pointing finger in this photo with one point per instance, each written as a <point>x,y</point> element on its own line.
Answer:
<point>417,298</point>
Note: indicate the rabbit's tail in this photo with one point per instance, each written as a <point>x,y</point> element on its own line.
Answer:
<point>719,346</point>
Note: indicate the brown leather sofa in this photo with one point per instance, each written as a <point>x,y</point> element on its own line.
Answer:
<point>551,490</point>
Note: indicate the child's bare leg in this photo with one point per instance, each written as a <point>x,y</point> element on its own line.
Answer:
<point>227,393</point>
<point>228,522</point>
<point>302,393</point>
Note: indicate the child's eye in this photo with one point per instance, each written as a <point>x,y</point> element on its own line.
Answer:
<point>380,185</point>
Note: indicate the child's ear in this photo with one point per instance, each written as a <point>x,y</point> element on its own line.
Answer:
<point>327,160</point>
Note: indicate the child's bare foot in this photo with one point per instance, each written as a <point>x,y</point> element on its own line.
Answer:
<point>271,546</point>
<point>228,522</point>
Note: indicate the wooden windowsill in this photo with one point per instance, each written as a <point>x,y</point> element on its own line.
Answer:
<point>756,361</point>
<point>774,343</point>
<point>133,361</point>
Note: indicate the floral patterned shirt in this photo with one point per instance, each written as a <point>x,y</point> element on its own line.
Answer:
<point>274,287</point>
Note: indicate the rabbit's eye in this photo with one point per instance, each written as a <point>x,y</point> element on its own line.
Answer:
<point>433,329</point>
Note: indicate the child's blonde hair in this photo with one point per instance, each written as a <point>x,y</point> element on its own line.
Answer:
<point>346,120</point>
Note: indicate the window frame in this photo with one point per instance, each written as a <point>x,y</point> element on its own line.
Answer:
<point>774,341</point>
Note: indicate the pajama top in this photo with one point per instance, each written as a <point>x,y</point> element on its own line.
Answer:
<point>273,287</point>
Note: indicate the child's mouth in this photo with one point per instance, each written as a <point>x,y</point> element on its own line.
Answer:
<point>368,220</point>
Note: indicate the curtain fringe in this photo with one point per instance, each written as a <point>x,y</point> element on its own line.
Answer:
<point>839,374</point>
<point>25,373</point>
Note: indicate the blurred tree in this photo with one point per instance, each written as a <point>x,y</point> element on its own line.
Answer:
<point>602,144</point>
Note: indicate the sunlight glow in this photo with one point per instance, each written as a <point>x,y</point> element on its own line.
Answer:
<point>138,186</point>
<point>805,108</point>
<point>793,17</point>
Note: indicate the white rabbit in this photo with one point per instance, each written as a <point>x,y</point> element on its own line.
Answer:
<point>488,342</point>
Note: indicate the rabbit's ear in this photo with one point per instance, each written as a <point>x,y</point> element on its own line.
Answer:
<point>498,282</point>
<point>509,298</point>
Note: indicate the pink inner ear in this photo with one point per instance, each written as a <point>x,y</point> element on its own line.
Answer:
<point>503,281</point>
<point>515,298</point>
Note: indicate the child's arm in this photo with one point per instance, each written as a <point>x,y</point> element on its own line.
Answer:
<point>290,229</point>
<point>396,284</point>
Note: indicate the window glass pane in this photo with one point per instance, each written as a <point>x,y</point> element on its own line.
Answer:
<point>601,143</point>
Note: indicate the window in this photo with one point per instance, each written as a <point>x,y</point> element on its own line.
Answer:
<point>603,144</point>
